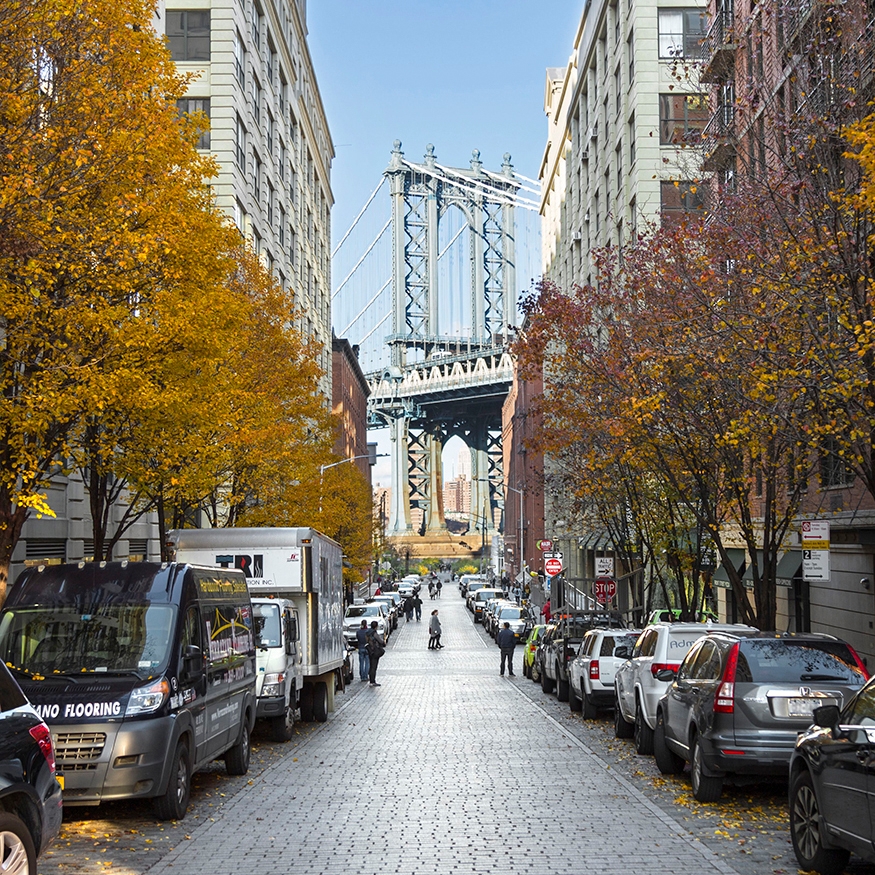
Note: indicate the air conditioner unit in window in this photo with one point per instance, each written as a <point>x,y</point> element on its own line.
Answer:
<point>593,131</point>
<point>577,236</point>
<point>586,218</point>
<point>584,155</point>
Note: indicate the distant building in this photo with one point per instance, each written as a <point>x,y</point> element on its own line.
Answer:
<point>457,495</point>
<point>350,405</point>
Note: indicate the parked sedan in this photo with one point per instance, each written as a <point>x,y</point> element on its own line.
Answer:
<point>393,606</point>
<point>832,797</point>
<point>738,702</point>
<point>517,617</point>
<point>30,792</point>
<point>352,620</point>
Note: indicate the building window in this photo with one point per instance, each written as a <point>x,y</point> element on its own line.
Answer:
<point>681,32</point>
<point>282,97</point>
<point>680,197</point>
<point>270,131</point>
<point>257,17</point>
<point>240,142</point>
<point>270,204</point>
<point>189,105</point>
<point>632,138</point>
<point>282,227</point>
<point>239,217</point>
<point>633,219</point>
<point>682,117</point>
<point>188,35</point>
<point>239,59</point>
<point>256,177</point>
<point>834,470</point>
<point>256,100</point>
<point>618,87</point>
<point>282,161</point>
<point>630,47</point>
<point>293,248</point>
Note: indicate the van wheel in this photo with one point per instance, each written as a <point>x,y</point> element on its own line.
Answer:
<point>237,757</point>
<point>16,842</point>
<point>174,803</point>
<point>307,703</point>
<point>320,702</point>
<point>282,727</point>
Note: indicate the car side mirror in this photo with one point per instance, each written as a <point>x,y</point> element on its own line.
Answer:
<point>827,716</point>
<point>622,652</point>
<point>666,675</point>
<point>192,661</point>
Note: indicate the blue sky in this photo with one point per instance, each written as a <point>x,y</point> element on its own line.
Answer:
<point>461,74</point>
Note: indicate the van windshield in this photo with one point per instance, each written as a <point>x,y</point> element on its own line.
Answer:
<point>267,625</point>
<point>128,639</point>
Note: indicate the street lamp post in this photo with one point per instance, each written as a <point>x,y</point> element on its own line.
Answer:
<point>324,468</point>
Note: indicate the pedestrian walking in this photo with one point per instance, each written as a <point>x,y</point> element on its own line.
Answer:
<point>434,632</point>
<point>376,649</point>
<point>438,586</point>
<point>431,589</point>
<point>548,614</point>
<point>507,642</point>
<point>408,608</point>
<point>361,637</point>
<point>417,605</point>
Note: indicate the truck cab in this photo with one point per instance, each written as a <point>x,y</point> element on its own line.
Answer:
<point>278,658</point>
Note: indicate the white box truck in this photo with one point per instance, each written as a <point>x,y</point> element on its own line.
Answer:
<point>295,579</point>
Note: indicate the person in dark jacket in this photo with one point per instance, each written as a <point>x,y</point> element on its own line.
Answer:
<point>361,638</point>
<point>408,608</point>
<point>375,641</point>
<point>507,642</point>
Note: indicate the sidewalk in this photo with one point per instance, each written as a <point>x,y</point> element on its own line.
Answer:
<point>441,770</point>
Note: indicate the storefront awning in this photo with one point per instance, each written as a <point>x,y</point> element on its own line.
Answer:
<point>721,575</point>
<point>789,566</point>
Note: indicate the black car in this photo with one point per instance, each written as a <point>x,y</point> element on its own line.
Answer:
<point>30,795</point>
<point>739,700</point>
<point>832,793</point>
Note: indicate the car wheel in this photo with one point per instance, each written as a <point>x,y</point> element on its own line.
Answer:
<point>320,702</point>
<point>574,700</point>
<point>16,846</point>
<point>561,688</point>
<point>546,683</point>
<point>589,709</point>
<point>173,804</point>
<point>622,727</point>
<point>643,733</point>
<point>527,671</point>
<point>706,788</point>
<point>805,831</point>
<point>282,727</point>
<point>237,757</point>
<point>667,761</point>
<point>535,673</point>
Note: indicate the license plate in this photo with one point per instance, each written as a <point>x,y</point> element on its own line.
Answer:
<point>797,707</point>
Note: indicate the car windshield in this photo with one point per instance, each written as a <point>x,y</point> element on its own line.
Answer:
<point>267,625</point>
<point>788,661</point>
<point>60,640</point>
<point>511,614</point>
<point>363,611</point>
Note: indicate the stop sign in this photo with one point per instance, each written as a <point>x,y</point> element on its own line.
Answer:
<point>553,566</point>
<point>604,589</point>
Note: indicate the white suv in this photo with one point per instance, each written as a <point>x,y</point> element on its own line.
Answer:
<point>636,688</point>
<point>591,674</point>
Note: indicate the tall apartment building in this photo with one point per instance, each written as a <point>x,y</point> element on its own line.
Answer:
<point>269,133</point>
<point>620,114</point>
<point>625,116</point>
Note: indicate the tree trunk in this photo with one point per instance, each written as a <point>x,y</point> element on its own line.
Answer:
<point>12,518</point>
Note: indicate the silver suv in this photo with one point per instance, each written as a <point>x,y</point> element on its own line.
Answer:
<point>637,689</point>
<point>591,674</point>
<point>737,703</point>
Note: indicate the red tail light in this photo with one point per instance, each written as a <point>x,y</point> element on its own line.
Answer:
<point>724,700</point>
<point>594,670</point>
<point>859,662</point>
<point>43,738</point>
<point>659,666</point>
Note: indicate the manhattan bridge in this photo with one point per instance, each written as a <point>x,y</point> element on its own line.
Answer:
<point>426,283</point>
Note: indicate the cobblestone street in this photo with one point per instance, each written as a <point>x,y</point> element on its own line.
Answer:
<point>445,768</point>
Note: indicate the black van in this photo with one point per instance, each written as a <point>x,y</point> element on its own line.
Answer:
<point>144,672</point>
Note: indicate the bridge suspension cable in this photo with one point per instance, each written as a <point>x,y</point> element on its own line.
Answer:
<point>359,263</point>
<point>355,221</point>
<point>365,308</point>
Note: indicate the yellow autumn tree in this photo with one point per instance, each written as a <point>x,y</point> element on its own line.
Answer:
<point>108,240</point>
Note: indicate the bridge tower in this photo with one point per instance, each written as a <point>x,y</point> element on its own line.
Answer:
<point>440,384</point>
